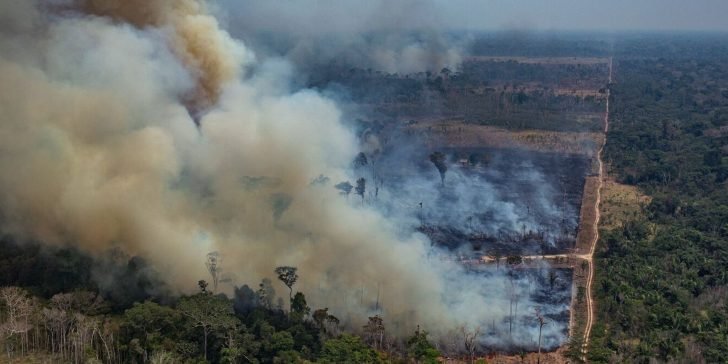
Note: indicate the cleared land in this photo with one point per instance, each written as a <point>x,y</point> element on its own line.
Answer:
<point>543,60</point>
<point>512,115</point>
<point>620,203</point>
<point>587,228</point>
<point>452,133</point>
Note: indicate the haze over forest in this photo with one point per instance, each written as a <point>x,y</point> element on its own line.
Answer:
<point>322,181</point>
<point>522,15</point>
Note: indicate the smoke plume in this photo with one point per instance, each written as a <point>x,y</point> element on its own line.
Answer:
<point>194,37</point>
<point>98,150</point>
<point>393,37</point>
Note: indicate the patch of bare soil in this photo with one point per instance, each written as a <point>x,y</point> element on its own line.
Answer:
<point>453,133</point>
<point>587,227</point>
<point>620,203</point>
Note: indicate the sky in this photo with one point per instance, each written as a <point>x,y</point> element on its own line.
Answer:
<point>355,15</point>
<point>690,15</point>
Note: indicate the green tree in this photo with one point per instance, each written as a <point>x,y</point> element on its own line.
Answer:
<point>580,294</point>
<point>281,341</point>
<point>299,308</point>
<point>420,349</point>
<point>208,312</point>
<point>149,324</point>
<point>348,349</point>
<point>574,350</point>
<point>288,276</point>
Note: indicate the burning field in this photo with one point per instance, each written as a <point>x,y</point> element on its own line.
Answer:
<point>145,127</point>
<point>491,201</point>
<point>478,205</point>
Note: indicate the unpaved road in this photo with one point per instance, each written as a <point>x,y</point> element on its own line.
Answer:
<point>589,257</point>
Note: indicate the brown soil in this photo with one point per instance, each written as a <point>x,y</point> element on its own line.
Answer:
<point>587,229</point>
<point>620,203</point>
<point>452,133</point>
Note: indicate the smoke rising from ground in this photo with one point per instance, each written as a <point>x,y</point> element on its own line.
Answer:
<point>99,151</point>
<point>211,55</point>
<point>393,37</point>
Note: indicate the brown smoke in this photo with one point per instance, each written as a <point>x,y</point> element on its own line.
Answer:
<point>195,38</point>
<point>97,151</point>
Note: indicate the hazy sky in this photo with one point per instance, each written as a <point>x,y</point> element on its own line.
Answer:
<point>303,16</point>
<point>591,14</point>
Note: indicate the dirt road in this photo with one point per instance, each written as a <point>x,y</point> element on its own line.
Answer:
<point>589,257</point>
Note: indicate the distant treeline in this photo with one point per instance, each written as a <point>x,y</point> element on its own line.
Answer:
<point>57,305</point>
<point>676,45</point>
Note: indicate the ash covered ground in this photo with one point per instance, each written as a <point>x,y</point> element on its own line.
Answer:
<point>472,202</point>
<point>550,292</point>
<point>487,201</point>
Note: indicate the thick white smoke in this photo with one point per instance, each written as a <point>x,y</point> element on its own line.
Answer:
<point>98,151</point>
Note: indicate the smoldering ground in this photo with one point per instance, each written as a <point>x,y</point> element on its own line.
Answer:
<point>99,152</point>
<point>500,195</point>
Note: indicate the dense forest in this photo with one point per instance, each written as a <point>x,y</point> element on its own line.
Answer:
<point>65,315</point>
<point>661,282</point>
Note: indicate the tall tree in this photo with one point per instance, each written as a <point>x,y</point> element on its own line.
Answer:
<point>470,340</point>
<point>374,330</point>
<point>148,323</point>
<point>299,307</point>
<point>361,187</point>
<point>214,266</point>
<point>438,159</point>
<point>19,307</point>
<point>348,349</point>
<point>208,312</point>
<point>420,349</point>
<point>288,276</point>
<point>541,323</point>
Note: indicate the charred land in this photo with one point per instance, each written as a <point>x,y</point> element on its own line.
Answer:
<point>191,181</point>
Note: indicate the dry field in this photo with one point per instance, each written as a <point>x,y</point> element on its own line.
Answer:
<point>620,203</point>
<point>542,60</point>
<point>453,133</point>
<point>585,237</point>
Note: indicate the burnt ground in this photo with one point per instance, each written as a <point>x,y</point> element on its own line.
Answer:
<point>549,290</point>
<point>497,202</point>
<point>493,201</point>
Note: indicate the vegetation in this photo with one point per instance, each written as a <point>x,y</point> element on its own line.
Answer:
<point>507,94</point>
<point>661,282</point>
<point>661,285</point>
<point>83,327</point>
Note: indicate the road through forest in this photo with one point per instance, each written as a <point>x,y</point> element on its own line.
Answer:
<point>590,257</point>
